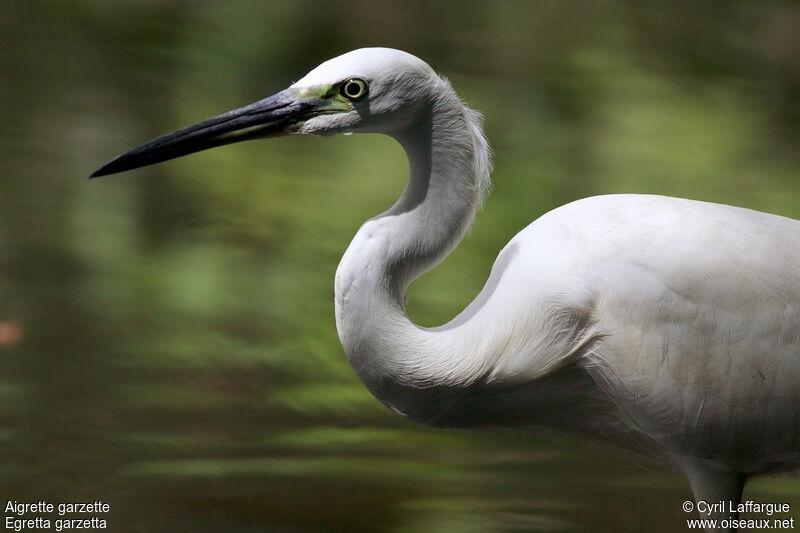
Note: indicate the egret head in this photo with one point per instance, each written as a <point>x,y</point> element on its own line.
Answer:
<point>371,89</point>
<point>366,90</point>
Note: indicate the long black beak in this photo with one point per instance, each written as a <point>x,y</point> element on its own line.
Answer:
<point>268,117</point>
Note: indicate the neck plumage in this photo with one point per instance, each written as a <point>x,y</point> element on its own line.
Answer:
<point>449,173</point>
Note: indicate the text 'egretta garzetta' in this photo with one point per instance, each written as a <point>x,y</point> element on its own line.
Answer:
<point>662,325</point>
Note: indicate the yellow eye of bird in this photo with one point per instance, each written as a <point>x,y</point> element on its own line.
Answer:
<point>353,89</point>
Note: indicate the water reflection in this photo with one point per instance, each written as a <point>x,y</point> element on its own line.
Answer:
<point>167,337</point>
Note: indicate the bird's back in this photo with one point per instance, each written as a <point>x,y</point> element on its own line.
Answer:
<point>693,310</point>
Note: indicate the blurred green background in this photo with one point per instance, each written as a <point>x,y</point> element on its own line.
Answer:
<point>167,340</point>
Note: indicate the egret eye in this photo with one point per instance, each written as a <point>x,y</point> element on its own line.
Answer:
<point>353,89</point>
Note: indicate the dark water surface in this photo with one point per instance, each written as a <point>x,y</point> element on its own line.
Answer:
<point>167,337</point>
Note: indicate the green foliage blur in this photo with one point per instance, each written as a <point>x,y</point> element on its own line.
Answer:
<point>167,336</point>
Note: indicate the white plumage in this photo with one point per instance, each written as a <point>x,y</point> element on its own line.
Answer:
<point>663,325</point>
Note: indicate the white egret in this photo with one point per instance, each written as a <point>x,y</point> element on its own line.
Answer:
<point>663,325</point>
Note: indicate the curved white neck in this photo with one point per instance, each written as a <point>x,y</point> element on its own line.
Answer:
<point>449,169</point>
